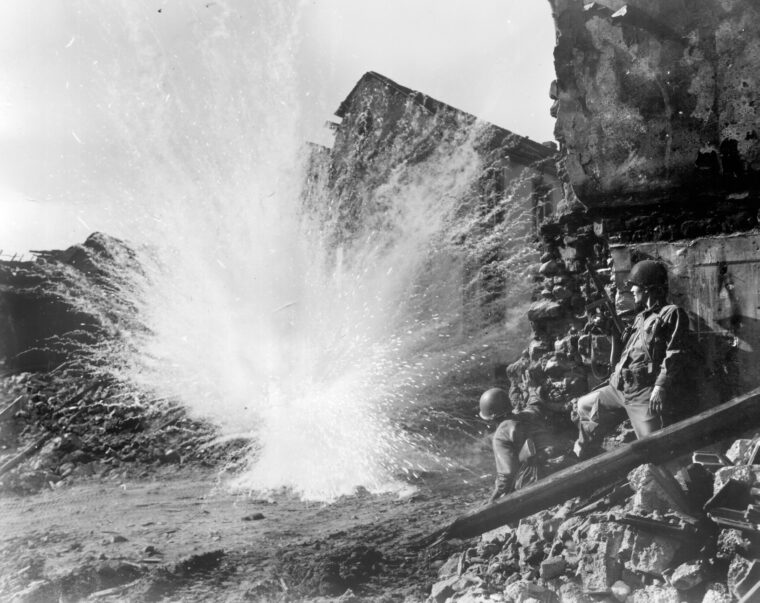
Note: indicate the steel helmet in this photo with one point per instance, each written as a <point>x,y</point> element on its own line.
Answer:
<point>494,403</point>
<point>648,274</point>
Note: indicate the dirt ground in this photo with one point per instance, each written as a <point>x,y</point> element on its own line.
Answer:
<point>177,534</point>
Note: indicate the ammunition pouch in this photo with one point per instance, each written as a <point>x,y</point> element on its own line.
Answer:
<point>637,377</point>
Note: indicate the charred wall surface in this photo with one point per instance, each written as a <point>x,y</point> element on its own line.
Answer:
<point>656,108</point>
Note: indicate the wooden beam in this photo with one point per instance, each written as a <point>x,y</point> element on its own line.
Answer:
<point>25,453</point>
<point>730,419</point>
<point>8,411</point>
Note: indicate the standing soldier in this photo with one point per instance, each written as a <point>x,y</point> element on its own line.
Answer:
<point>649,381</point>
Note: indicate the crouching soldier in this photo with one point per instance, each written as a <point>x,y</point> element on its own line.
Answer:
<point>522,443</point>
<point>650,380</point>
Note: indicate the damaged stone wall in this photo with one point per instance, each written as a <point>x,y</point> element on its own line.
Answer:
<point>717,280</point>
<point>390,137</point>
<point>655,106</point>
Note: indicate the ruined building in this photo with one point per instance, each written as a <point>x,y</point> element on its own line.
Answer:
<point>391,139</point>
<point>656,116</point>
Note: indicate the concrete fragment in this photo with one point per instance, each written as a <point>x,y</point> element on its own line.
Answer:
<point>553,567</point>
<point>526,533</point>
<point>536,349</point>
<point>655,491</point>
<point>747,581</point>
<point>661,594</point>
<point>450,567</point>
<point>547,523</point>
<point>571,592</point>
<point>544,310</point>
<point>550,268</point>
<point>717,592</point>
<point>522,591</point>
<point>746,474</point>
<point>599,566</point>
<point>688,575</point>
<point>568,529</point>
<point>442,590</point>
<point>620,590</point>
<point>349,597</point>
<point>740,450</point>
<point>501,534</point>
<point>730,543</point>
<point>652,554</point>
<point>738,570</point>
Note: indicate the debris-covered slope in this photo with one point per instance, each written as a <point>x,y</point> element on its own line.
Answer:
<point>650,537</point>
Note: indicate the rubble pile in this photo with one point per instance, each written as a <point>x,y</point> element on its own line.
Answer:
<point>653,536</point>
<point>64,413</point>
<point>569,352</point>
<point>66,304</point>
<point>61,427</point>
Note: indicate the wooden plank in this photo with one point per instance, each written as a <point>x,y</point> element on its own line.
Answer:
<point>727,420</point>
<point>25,453</point>
<point>8,412</point>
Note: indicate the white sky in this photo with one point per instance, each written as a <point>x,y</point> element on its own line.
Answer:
<point>492,58</point>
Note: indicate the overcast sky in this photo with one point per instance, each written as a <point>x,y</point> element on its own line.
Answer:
<point>62,60</point>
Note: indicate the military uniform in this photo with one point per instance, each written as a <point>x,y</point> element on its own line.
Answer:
<point>521,444</point>
<point>656,353</point>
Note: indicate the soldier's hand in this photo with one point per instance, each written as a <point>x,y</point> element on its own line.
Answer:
<point>657,400</point>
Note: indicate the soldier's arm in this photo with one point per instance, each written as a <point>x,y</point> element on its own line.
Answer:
<point>675,332</point>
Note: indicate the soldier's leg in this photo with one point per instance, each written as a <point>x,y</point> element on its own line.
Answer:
<point>505,450</point>
<point>594,409</point>
<point>637,407</point>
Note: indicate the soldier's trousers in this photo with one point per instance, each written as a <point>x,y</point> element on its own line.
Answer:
<point>596,408</point>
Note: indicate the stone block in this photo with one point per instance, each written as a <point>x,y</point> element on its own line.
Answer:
<point>449,568</point>
<point>571,592</point>
<point>655,491</point>
<point>746,474</point>
<point>544,309</point>
<point>456,584</point>
<point>523,591</point>
<point>561,292</point>
<point>745,579</point>
<point>717,592</point>
<point>442,590</point>
<point>500,534</point>
<point>688,575</point>
<point>547,523</point>
<point>730,543</point>
<point>740,451</point>
<point>553,567</point>
<point>598,572</point>
<point>569,528</point>
<point>537,349</point>
<point>599,566</point>
<point>526,533</point>
<point>652,554</point>
<point>620,590</point>
<point>661,594</point>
